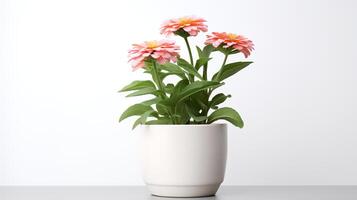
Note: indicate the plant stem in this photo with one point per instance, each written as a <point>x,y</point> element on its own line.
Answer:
<point>191,77</point>
<point>189,49</point>
<point>190,53</point>
<point>161,88</point>
<point>158,81</point>
<point>219,74</point>
<point>223,64</point>
<point>204,72</point>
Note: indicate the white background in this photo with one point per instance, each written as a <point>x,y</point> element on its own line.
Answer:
<point>61,63</point>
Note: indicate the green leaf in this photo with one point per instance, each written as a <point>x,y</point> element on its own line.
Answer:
<point>159,121</point>
<point>144,91</point>
<point>214,107</point>
<point>178,88</point>
<point>201,61</point>
<point>136,85</point>
<point>142,119</point>
<point>181,115</point>
<point>228,114</point>
<point>136,109</point>
<point>207,50</point>
<point>199,118</point>
<point>173,69</point>
<point>218,99</point>
<point>151,101</point>
<point>196,87</point>
<point>164,75</point>
<point>169,88</point>
<point>199,51</point>
<point>164,107</point>
<point>195,116</point>
<point>188,68</point>
<point>156,76</point>
<point>230,69</point>
<point>178,109</point>
<point>199,100</point>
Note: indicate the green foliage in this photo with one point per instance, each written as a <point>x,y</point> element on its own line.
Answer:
<point>174,69</point>
<point>137,85</point>
<point>196,87</point>
<point>218,99</point>
<point>189,99</point>
<point>228,114</point>
<point>142,119</point>
<point>136,109</point>
<point>151,101</point>
<point>230,69</point>
<point>201,62</point>
<point>143,91</point>
<point>188,68</point>
<point>159,121</point>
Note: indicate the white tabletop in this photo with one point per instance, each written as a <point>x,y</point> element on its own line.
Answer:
<point>140,193</point>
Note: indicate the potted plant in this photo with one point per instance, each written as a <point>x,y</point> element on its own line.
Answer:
<point>184,151</point>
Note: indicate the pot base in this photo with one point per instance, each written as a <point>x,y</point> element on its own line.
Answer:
<point>183,191</point>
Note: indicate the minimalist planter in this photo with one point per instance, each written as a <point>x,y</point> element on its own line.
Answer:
<point>184,160</point>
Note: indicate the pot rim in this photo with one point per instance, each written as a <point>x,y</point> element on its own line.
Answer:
<point>187,125</point>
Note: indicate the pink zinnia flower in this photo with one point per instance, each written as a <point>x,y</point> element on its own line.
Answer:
<point>162,51</point>
<point>238,42</point>
<point>192,25</point>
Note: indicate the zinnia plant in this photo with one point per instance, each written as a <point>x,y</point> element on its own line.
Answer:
<point>193,98</point>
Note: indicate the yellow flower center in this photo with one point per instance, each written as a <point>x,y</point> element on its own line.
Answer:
<point>232,36</point>
<point>152,44</point>
<point>184,20</point>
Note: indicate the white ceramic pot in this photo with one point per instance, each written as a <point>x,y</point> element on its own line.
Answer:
<point>184,160</point>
